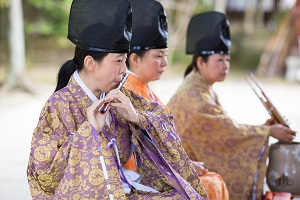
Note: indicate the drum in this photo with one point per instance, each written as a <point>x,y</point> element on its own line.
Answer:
<point>283,171</point>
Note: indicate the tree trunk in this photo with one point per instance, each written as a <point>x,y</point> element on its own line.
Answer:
<point>249,17</point>
<point>16,43</point>
<point>220,6</point>
<point>296,28</point>
<point>260,13</point>
<point>182,13</point>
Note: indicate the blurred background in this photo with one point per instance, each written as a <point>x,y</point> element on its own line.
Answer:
<point>33,46</point>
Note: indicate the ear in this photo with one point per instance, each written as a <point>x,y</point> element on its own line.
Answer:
<point>200,62</point>
<point>133,60</point>
<point>89,63</point>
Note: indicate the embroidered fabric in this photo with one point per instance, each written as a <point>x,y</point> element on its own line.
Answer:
<point>130,178</point>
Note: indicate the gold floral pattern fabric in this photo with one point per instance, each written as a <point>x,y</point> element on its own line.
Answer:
<point>65,160</point>
<point>209,135</point>
<point>212,182</point>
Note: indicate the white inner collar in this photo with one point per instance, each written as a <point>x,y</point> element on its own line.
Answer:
<point>85,88</point>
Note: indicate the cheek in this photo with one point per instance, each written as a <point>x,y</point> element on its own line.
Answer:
<point>156,64</point>
<point>156,68</point>
<point>215,71</point>
<point>108,75</point>
<point>219,67</point>
<point>149,67</point>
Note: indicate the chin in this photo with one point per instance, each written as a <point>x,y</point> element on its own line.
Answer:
<point>221,79</point>
<point>158,77</point>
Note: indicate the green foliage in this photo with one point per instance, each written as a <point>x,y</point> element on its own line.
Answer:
<point>180,59</point>
<point>203,6</point>
<point>52,17</point>
<point>279,16</point>
<point>3,3</point>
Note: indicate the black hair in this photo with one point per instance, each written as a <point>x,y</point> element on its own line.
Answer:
<point>69,67</point>
<point>193,65</point>
<point>140,53</point>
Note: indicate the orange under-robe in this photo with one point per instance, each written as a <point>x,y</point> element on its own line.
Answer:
<point>212,182</point>
<point>209,135</point>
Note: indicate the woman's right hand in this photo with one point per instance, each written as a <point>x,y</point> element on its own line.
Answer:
<point>282,133</point>
<point>95,118</point>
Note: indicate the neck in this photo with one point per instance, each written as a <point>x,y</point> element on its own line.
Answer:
<point>205,79</point>
<point>135,73</point>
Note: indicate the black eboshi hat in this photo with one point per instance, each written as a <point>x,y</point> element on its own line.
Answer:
<point>101,25</point>
<point>208,33</point>
<point>149,25</point>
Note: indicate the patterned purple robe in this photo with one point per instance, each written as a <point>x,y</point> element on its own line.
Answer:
<point>65,156</point>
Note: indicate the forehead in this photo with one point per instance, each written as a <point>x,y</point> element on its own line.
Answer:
<point>110,57</point>
<point>116,55</point>
<point>165,50</point>
<point>218,55</point>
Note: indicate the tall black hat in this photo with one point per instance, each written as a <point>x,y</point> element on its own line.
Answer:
<point>149,25</point>
<point>101,25</point>
<point>208,33</point>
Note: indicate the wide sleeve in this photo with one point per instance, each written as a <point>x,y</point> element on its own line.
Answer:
<point>64,157</point>
<point>50,151</point>
<point>160,128</point>
<point>200,120</point>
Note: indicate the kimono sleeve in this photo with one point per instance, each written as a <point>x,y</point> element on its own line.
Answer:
<point>53,149</point>
<point>159,125</point>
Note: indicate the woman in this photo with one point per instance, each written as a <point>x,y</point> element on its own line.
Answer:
<point>237,152</point>
<point>147,58</point>
<point>147,61</point>
<point>77,152</point>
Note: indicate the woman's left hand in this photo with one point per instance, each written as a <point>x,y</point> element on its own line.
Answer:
<point>123,103</point>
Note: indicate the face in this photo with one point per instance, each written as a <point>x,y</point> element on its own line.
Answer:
<point>108,72</point>
<point>215,69</point>
<point>152,65</point>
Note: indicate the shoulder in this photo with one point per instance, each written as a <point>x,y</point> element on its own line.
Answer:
<point>133,96</point>
<point>136,85</point>
<point>57,101</point>
<point>141,103</point>
<point>62,95</point>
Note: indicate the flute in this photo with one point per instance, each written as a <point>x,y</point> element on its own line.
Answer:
<point>266,102</point>
<point>103,108</point>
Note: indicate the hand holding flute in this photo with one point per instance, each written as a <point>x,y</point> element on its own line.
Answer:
<point>97,111</point>
<point>103,108</point>
<point>123,104</point>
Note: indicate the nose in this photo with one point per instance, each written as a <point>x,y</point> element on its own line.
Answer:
<point>164,62</point>
<point>226,64</point>
<point>123,68</point>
